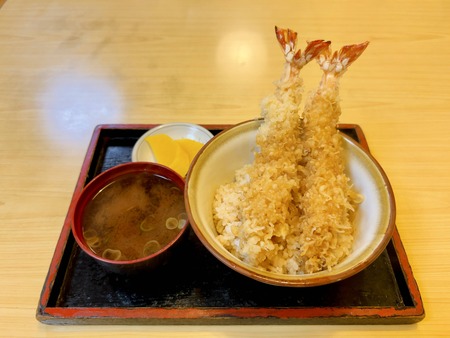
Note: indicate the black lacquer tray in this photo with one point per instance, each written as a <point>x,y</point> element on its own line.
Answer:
<point>198,289</point>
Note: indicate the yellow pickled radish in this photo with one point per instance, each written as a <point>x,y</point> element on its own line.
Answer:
<point>191,147</point>
<point>168,152</point>
<point>181,162</point>
<point>164,148</point>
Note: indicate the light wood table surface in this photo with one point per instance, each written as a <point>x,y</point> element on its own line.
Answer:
<point>68,65</point>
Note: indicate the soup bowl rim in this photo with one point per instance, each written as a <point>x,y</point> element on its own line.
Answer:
<point>101,181</point>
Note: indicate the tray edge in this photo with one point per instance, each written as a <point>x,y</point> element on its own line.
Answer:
<point>56,315</point>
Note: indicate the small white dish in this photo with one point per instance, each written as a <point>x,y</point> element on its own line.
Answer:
<point>178,130</point>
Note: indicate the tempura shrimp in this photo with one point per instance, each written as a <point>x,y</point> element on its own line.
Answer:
<point>327,198</point>
<point>281,110</point>
<point>268,189</point>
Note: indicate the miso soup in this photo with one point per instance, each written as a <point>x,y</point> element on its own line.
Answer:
<point>133,217</point>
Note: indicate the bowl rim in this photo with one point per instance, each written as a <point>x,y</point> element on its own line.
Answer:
<point>103,179</point>
<point>278,279</point>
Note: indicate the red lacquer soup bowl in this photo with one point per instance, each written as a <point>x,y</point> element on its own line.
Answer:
<point>131,217</point>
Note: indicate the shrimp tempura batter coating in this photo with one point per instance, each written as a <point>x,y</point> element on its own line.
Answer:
<point>261,217</point>
<point>327,198</point>
<point>253,214</point>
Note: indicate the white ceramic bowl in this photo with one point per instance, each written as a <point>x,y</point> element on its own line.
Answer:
<point>232,148</point>
<point>142,151</point>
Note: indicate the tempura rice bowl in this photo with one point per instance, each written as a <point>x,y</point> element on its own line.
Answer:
<point>233,148</point>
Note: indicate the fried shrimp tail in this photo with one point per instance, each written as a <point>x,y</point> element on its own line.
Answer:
<point>339,62</point>
<point>288,40</point>
<point>296,59</point>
